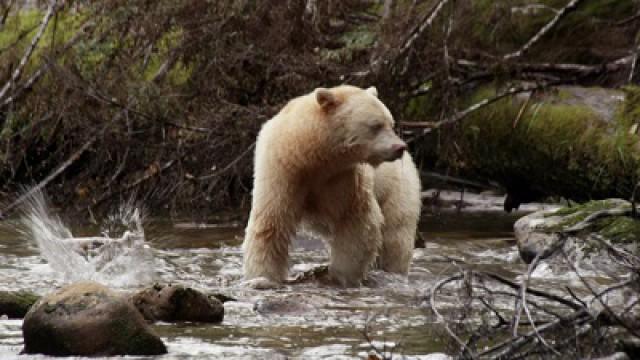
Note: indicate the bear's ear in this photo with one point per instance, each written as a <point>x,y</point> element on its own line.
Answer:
<point>326,99</point>
<point>373,91</point>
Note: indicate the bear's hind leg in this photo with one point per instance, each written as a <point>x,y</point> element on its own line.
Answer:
<point>397,247</point>
<point>354,248</point>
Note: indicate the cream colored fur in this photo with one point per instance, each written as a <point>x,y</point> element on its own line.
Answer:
<point>326,161</point>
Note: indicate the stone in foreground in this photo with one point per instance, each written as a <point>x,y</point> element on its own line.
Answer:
<point>176,303</point>
<point>88,319</point>
<point>16,304</point>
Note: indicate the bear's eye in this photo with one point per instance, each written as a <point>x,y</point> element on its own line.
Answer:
<point>377,127</point>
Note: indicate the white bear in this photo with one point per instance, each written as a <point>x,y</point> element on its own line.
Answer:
<point>331,160</point>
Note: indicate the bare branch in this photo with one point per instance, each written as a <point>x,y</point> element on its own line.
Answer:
<point>46,65</point>
<point>488,101</point>
<point>432,302</point>
<point>5,14</point>
<point>73,158</point>
<point>572,5</point>
<point>417,33</point>
<point>34,42</point>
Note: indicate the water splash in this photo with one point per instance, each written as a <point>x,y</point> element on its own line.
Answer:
<point>118,257</point>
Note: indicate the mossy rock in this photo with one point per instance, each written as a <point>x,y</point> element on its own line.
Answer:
<point>16,304</point>
<point>538,232</point>
<point>88,319</point>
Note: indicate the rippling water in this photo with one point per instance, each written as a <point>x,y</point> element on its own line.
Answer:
<point>300,321</point>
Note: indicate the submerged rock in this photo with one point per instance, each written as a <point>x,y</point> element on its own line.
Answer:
<point>294,304</point>
<point>16,304</point>
<point>87,319</point>
<point>611,220</point>
<point>176,303</point>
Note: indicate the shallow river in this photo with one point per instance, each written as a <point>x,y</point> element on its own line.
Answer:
<point>299,321</point>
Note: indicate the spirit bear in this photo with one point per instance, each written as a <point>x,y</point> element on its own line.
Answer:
<point>331,161</point>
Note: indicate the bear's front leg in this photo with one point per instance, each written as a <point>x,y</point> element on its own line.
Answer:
<point>355,246</point>
<point>272,223</point>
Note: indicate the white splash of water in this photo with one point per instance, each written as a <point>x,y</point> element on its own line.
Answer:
<point>119,257</point>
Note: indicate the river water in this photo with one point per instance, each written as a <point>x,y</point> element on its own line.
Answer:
<point>298,321</point>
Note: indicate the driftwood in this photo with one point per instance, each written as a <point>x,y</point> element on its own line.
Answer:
<point>557,323</point>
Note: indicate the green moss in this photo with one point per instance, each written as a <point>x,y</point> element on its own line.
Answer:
<point>180,73</point>
<point>24,23</point>
<point>621,229</point>
<point>360,38</point>
<point>354,41</point>
<point>21,27</point>
<point>629,112</point>
<point>16,304</point>
<point>586,208</point>
<point>550,149</point>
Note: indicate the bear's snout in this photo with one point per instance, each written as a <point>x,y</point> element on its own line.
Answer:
<point>397,150</point>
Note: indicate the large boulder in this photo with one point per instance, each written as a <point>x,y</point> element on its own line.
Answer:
<point>16,304</point>
<point>177,303</point>
<point>87,319</point>
<point>610,220</point>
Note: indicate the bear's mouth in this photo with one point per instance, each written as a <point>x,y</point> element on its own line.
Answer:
<point>394,156</point>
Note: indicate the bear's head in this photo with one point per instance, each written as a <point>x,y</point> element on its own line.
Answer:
<point>361,123</point>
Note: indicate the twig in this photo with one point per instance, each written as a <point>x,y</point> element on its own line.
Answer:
<point>522,110</point>
<point>634,211</point>
<point>545,29</point>
<point>417,32</point>
<point>523,299</point>
<point>532,291</point>
<point>47,64</point>
<point>513,344</point>
<point>230,165</point>
<point>73,158</point>
<point>19,38</point>
<point>432,302</point>
<point>634,59</point>
<point>34,42</point>
<point>429,126</point>
<point>148,175</point>
<point>610,312</point>
<point>448,179</point>
<point>570,69</point>
<point>5,14</point>
<point>488,101</point>
<point>628,20</point>
<point>588,221</point>
<point>381,353</point>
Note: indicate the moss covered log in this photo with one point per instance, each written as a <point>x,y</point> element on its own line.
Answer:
<point>564,142</point>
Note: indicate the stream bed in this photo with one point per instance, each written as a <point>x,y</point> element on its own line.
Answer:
<point>298,321</point>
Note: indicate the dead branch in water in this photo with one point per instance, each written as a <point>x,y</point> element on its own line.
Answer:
<point>555,325</point>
